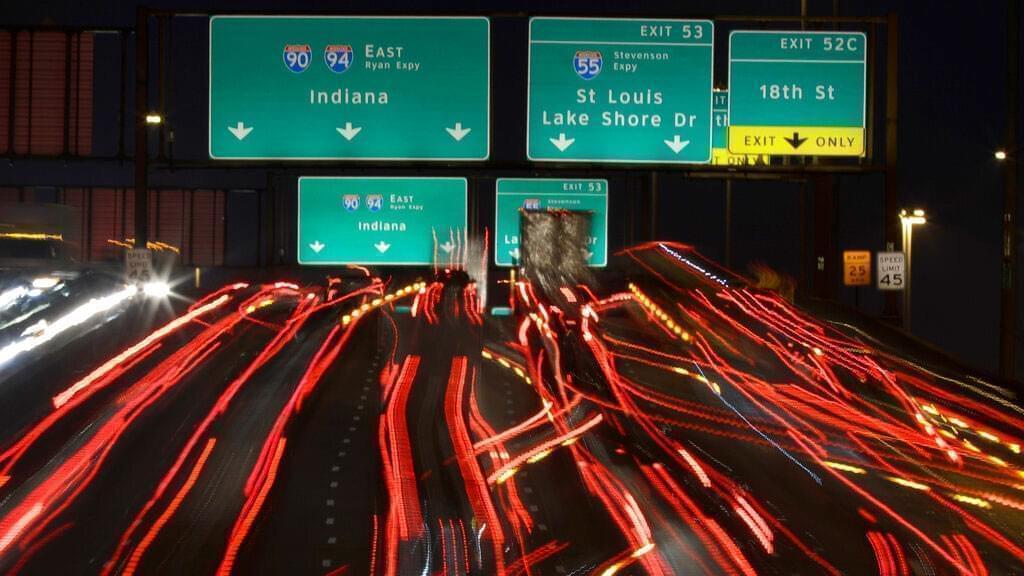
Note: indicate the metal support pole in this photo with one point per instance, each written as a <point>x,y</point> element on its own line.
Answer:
<point>13,94</point>
<point>826,272</point>
<point>631,201</point>
<point>121,109</point>
<point>908,247</point>
<point>654,206</point>
<point>1008,291</point>
<point>141,143</point>
<point>67,95</point>
<point>892,199</point>
<point>806,262</point>
<point>267,213</point>
<point>161,88</point>
<point>728,222</point>
<point>474,207</point>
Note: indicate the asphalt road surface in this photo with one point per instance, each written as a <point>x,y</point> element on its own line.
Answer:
<point>666,418</point>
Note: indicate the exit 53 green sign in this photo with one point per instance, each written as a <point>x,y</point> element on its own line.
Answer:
<point>615,90</point>
<point>344,87</point>
<point>517,194</point>
<point>353,220</point>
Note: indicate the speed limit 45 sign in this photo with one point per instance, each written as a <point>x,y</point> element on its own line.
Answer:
<point>138,266</point>
<point>892,270</point>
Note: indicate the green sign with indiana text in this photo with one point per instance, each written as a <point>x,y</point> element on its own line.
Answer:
<point>517,194</point>
<point>617,90</point>
<point>349,87</point>
<point>355,220</point>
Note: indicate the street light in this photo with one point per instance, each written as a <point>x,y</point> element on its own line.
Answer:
<point>909,220</point>
<point>1000,155</point>
<point>154,119</point>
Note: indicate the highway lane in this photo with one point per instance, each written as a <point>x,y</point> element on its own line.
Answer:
<point>239,382</point>
<point>321,515</point>
<point>547,511</point>
<point>431,515</point>
<point>668,420</point>
<point>463,505</point>
<point>105,470</point>
<point>874,463</point>
<point>113,497</point>
<point>210,518</point>
<point>29,379</point>
<point>197,534</point>
<point>54,411</point>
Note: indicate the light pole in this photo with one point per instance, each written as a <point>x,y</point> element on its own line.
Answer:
<point>1008,289</point>
<point>909,220</point>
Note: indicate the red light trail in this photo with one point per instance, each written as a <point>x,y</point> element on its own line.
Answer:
<point>706,425</point>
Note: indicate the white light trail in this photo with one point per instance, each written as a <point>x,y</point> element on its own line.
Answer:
<point>76,317</point>
<point>9,297</point>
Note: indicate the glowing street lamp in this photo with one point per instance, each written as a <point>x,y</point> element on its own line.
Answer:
<point>909,220</point>
<point>1000,155</point>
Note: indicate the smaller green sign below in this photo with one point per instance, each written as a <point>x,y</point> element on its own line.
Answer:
<point>380,221</point>
<point>518,194</point>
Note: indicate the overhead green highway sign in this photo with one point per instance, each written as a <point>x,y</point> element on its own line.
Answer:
<point>618,90</point>
<point>357,220</point>
<point>720,154</point>
<point>517,194</point>
<point>797,93</point>
<point>720,119</point>
<point>346,87</point>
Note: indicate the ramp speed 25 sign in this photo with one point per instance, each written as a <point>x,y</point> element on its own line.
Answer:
<point>856,268</point>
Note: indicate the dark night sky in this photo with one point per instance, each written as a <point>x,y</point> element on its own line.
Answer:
<point>952,114</point>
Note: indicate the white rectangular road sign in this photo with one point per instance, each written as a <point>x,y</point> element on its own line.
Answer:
<point>892,270</point>
<point>138,267</point>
